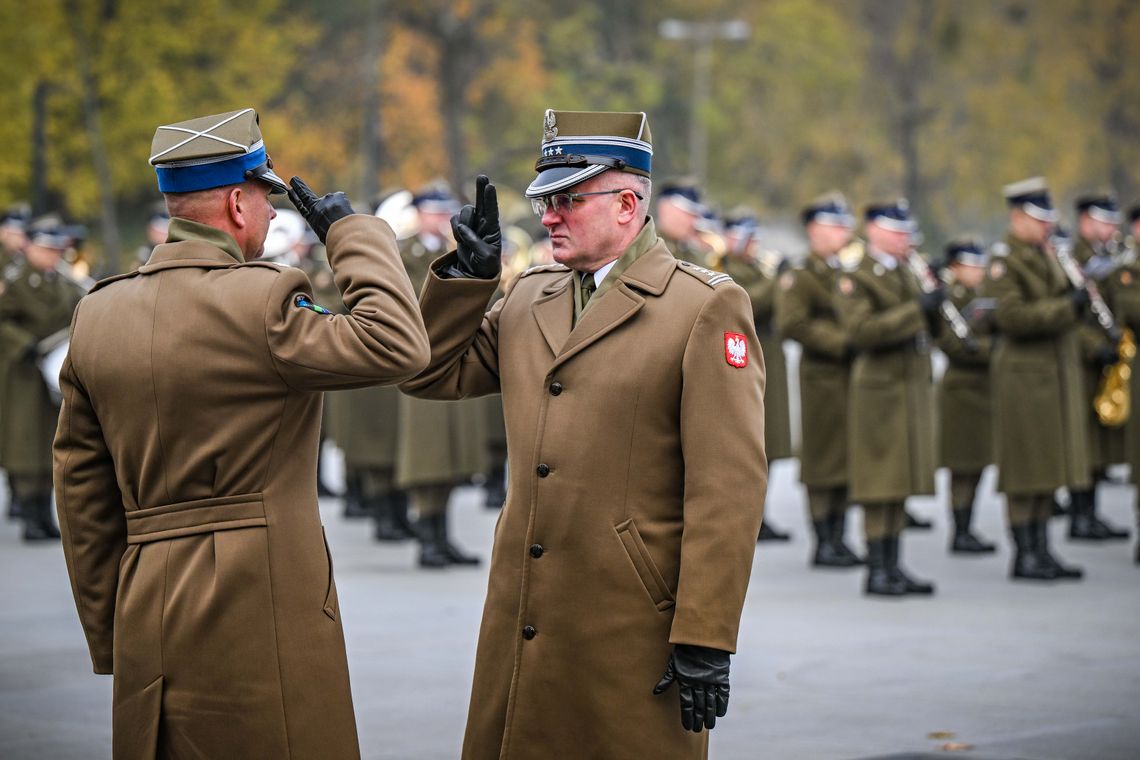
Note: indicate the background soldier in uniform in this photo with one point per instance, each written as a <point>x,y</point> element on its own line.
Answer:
<point>805,312</point>
<point>1122,290</point>
<point>13,238</point>
<point>890,425</point>
<point>36,303</point>
<point>1040,405</point>
<point>635,419</point>
<point>965,411</point>
<point>680,213</point>
<point>758,274</point>
<point>188,503</point>
<point>1098,220</point>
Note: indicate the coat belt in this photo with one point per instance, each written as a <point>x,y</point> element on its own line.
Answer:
<point>187,518</point>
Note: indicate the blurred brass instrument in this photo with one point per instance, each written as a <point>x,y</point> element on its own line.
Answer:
<point>851,254</point>
<point>716,247</point>
<point>929,283</point>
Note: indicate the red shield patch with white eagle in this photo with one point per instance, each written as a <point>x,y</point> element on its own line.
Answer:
<point>735,349</point>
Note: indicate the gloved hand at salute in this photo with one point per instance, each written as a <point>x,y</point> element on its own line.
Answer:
<point>701,674</point>
<point>478,240</point>
<point>320,213</point>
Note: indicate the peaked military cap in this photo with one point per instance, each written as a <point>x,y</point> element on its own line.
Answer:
<point>1100,206</point>
<point>741,220</point>
<point>436,198</point>
<point>49,232</point>
<point>966,249</point>
<point>1031,196</point>
<point>892,215</point>
<point>831,209</point>
<point>685,192</point>
<point>17,216</point>
<point>577,145</point>
<point>212,151</point>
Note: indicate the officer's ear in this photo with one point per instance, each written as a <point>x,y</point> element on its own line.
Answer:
<point>236,200</point>
<point>627,211</point>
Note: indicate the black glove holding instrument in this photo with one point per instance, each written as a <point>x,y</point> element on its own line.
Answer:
<point>320,213</point>
<point>1080,298</point>
<point>478,239</point>
<point>930,302</point>
<point>701,674</point>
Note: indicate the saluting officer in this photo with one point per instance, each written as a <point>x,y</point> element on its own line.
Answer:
<point>965,411</point>
<point>805,312</point>
<point>633,386</point>
<point>890,433</point>
<point>1040,406</point>
<point>185,460</point>
<point>1098,220</point>
<point>36,303</point>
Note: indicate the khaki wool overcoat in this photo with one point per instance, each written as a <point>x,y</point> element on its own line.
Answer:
<point>1040,422</point>
<point>637,483</point>
<point>185,467</point>
<point>890,434</point>
<point>965,413</point>
<point>805,313</point>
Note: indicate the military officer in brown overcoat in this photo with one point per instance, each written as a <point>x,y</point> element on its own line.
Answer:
<point>805,313</point>
<point>1040,426</point>
<point>185,459</point>
<point>757,272</point>
<point>965,412</point>
<point>633,387</point>
<point>1098,220</point>
<point>36,303</point>
<point>890,435</point>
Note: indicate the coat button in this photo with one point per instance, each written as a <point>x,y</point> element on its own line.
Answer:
<point>529,632</point>
<point>536,550</point>
<point>555,388</point>
<point>543,470</point>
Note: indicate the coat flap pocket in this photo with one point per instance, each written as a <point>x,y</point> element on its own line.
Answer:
<point>647,571</point>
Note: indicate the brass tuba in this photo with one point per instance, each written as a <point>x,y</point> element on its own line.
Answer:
<point>1112,401</point>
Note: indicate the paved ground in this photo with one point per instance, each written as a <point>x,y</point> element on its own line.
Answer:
<point>1029,672</point>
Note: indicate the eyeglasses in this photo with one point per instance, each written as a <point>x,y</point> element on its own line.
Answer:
<point>563,203</point>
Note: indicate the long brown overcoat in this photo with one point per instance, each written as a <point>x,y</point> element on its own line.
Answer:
<point>636,452</point>
<point>1122,291</point>
<point>890,434</point>
<point>805,312</point>
<point>1040,419</point>
<point>965,411</point>
<point>185,467</point>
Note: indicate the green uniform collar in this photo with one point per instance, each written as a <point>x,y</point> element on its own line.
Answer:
<point>185,229</point>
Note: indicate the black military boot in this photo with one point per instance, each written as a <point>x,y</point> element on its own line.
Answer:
<point>838,527</point>
<point>825,554</point>
<point>354,505</point>
<point>1107,531</point>
<point>769,533</point>
<point>432,552</point>
<point>38,525</point>
<point>915,523</point>
<point>450,550</point>
<point>496,487</point>
<point>1081,524</point>
<point>1045,557</point>
<point>880,582</point>
<point>389,526</point>
<point>910,585</point>
<point>1027,565</point>
<point>965,542</point>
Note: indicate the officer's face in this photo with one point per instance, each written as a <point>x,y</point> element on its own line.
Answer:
<point>1096,230</point>
<point>1029,228</point>
<point>969,275</point>
<point>827,239</point>
<point>889,241</point>
<point>436,224</point>
<point>591,235</point>
<point>13,238</point>
<point>42,258</point>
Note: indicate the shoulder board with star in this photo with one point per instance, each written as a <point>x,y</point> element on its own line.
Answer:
<point>707,276</point>
<point>545,268</point>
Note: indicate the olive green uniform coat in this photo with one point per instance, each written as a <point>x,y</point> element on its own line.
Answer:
<point>890,434</point>
<point>33,305</point>
<point>965,410</point>
<point>805,312</point>
<point>1122,292</point>
<point>761,290</point>
<point>185,472</point>
<point>635,451</point>
<point>440,442</point>
<point>1041,423</point>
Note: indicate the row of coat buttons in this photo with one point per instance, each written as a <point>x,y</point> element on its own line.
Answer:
<point>536,550</point>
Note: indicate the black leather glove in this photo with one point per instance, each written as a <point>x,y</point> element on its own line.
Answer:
<point>320,213</point>
<point>701,674</point>
<point>1106,356</point>
<point>1080,298</point>
<point>929,302</point>
<point>478,240</point>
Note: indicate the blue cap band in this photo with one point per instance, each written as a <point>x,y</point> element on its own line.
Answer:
<point>187,179</point>
<point>635,158</point>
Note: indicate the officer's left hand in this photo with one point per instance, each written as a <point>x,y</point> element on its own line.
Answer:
<point>478,240</point>
<point>701,674</point>
<point>320,213</point>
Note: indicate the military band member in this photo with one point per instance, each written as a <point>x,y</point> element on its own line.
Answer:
<point>680,214</point>
<point>13,239</point>
<point>188,500</point>
<point>890,434</point>
<point>36,303</point>
<point>1098,220</point>
<point>1040,406</point>
<point>805,312</point>
<point>965,410</point>
<point>633,386</point>
<point>1123,292</point>
<point>758,273</point>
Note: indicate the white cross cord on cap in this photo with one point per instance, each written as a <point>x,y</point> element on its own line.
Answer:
<point>205,133</point>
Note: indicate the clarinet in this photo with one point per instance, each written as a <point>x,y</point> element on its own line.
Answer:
<point>928,283</point>
<point>1063,251</point>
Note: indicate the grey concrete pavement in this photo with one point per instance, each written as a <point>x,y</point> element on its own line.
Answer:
<point>1017,671</point>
